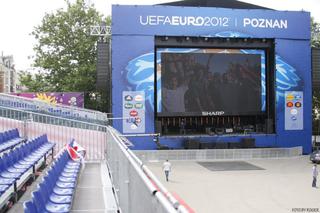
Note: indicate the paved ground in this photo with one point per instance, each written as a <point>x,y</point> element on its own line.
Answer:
<point>89,196</point>
<point>284,185</point>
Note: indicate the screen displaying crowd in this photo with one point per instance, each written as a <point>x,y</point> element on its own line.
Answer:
<point>195,83</point>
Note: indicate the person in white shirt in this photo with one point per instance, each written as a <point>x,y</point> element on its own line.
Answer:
<point>173,97</point>
<point>314,175</point>
<point>167,169</point>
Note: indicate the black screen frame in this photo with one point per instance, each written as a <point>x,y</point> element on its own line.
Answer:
<point>267,45</point>
<point>254,108</point>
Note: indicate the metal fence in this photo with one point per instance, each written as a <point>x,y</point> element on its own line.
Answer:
<point>58,110</point>
<point>134,183</point>
<point>316,138</point>
<point>218,154</point>
<point>59,130</point>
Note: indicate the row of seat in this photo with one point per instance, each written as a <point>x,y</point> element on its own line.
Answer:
<point>55,192</point>
<point>9,139</point>
<point>21,163</point>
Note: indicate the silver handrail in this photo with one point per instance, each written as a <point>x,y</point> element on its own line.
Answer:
<point>49,116</point>
<point>151,179</point>
<point>41,106</point>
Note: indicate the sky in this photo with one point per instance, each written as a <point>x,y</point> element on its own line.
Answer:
<point>19,17</point>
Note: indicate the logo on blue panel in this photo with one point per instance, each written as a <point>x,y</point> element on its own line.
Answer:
<point>128,98</point>
<point>128,105</point>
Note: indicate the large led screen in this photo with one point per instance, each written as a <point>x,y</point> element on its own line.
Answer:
<point>193,82</point>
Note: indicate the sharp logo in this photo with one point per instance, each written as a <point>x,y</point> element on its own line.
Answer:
<point>213,113</point>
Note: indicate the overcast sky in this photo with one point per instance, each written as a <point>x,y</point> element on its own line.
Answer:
<point>18,17</point>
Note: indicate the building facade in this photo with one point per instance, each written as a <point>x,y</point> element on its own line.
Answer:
<point>8,74</point>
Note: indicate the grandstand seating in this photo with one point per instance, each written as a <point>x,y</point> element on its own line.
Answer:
<point>9,139</point>
<point>55,192</point>
<point>20,164</point>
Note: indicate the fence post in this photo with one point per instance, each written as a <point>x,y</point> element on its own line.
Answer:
<point>28,119</point>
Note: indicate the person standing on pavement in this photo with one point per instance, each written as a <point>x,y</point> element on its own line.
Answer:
<point>314,175</point>
<point>167,169</point>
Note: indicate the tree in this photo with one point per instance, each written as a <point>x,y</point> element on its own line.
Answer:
<point>315,33</point>
<point>34,83</point>
<point>65,51</point>
<point>316,112</point>
<point>315,42</point>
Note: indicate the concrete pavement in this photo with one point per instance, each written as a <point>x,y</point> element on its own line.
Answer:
<point>284,185</point>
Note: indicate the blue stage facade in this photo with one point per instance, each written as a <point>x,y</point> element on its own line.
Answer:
<point>143,37</point>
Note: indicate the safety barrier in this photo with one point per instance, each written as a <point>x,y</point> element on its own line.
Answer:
<point>133,181</point>
<point>30,124</point>
<point>128,174</point>
<point>218,154</point>
<point>316,140</point>
<point>33,105</point>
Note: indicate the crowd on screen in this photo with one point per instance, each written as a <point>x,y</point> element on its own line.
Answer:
<point>190,85</point>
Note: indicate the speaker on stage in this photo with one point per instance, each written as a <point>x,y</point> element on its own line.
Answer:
<point>269,126</point>
<point>248,142</point>
<point>210,145</point>
<point>158,127</point>
<point>221,145</point>
<point>234,145</point>
<point>191,144</point>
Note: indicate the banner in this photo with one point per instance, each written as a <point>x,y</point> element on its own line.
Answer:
<point>194,21</point>
<point>66,98</point>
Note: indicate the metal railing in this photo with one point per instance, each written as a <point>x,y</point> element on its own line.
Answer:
<point>316,138</point>
<point>218,154</point>
<point>59,130</point>
<point>133,181</point>
<point>59,110</point>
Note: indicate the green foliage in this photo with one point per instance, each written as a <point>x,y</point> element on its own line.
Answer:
<point>315,33</point>
<point>315,42</point>
<point>316,112</point>
<point>66,52</point>
<point>316,105</point>
<point>34,83</point>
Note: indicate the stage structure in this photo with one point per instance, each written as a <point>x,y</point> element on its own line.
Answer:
<point>212,77</point>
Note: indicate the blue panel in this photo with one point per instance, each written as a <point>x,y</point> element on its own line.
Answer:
<point>169,20</point>
<point>124,78</point>
<point>295,74</point>
<point>178,142</point>
<point>143,143</point>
